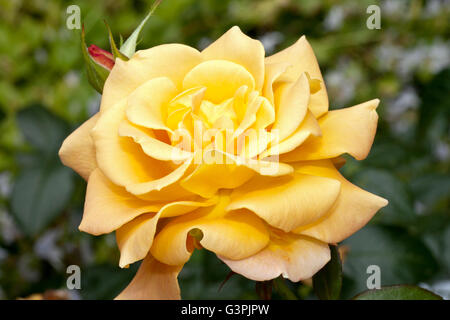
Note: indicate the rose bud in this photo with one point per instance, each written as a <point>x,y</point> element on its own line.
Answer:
<point>101,57</point>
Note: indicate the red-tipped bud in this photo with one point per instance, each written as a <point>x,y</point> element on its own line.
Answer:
<point>101,57</point>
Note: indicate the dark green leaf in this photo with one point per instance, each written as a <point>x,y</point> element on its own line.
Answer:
<point>39,195</point>
<point>327,282</point>
<point>42,129</point>
<point>401,257</point>
<point>96,74</point>
<point>105,281</point>
<point>401,292</point>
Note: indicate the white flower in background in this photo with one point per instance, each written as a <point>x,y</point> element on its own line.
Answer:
<point>335,17</point>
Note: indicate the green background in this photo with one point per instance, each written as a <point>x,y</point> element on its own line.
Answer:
<point>44,95</point>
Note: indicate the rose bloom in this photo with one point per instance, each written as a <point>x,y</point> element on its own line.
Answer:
<point>164,200</point>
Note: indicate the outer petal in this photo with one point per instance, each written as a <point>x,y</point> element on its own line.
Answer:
<point>107,206</point>
<point>241,49</point>
<point>136,237</point>
<point>294,257</point>
<point>168,60</point>
<point>130,164</point>
<point>235,235</point>
<point>153,281</point>
<point>287,202</point>
<point>78,150</point>
<point>349,130</point>
<point>302,58</point>
<point>352,210</point>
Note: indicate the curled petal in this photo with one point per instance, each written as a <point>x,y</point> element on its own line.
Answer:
<point>153,281</point>
<point>237,47</point>
<point>349,130</point>
<point>151,145</point>
<point>136,237</point>
<point>120,158</point>
<point>291,102</point>
<point>223,170</point>
<point>302,59</point>
<point>221,78</point>
<point>146,105</point>
<point>235,235</point>
<point>352,210</point>
<point>78,149</point>
<point>287,202</point>
<point>309,127</point>
<point>169,60</point>
<point>272,74</point>
<point>163,182</point>
<point>294,257</point>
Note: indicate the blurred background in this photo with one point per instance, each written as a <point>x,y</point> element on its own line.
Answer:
<point>44,95</point>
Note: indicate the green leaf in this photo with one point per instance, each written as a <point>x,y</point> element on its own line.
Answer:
<point>401,257</point>
<point>401,292</point>
<point>327,283</point>
<point>129,46</point>
<point>105,282</point>
<point>42,129</point>
<point>96,74</point>
<point>116,53</point>
<point>40,194</point>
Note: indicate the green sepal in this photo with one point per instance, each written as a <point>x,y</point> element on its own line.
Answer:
<point>116,52</point>
<point>129,46</point>
<point>96,74</point>
<point>327,283</point>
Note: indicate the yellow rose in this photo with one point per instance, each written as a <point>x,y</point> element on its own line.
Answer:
<point>223,149</point>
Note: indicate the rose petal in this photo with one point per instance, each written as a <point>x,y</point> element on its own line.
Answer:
<point>221,78</point>
<point>291,103</point>
<point>136,237</point>
<point>309,127</point>
<point>292,256</point>
<point>223,170</point>
<point>301,56</point>
<point>107,206</point>
<point>78,149</point>
<point>237,47</point>
<point>119,158</point>
<point>153,281</point>
<point>352,210</point>
<point>287,202</point>
<point>152,146</point>
<point>167,60</point>
<point>273,72</point>
<point>235,235</point>
<point>349,130</point>
<point>147,104</point>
